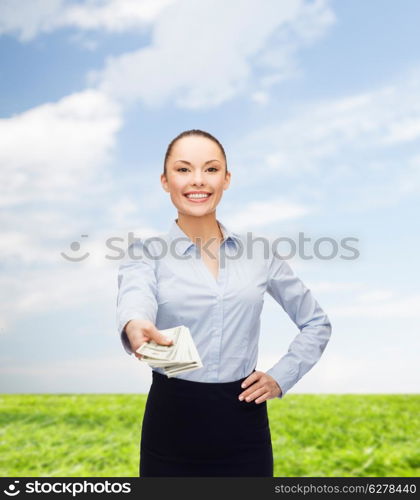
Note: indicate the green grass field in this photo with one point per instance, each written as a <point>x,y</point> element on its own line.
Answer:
<point>96,435</point>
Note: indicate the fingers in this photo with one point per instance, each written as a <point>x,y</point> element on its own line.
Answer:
<point>137,354</point>
<point>259,387</point>
<point>153,334</point>
<point>256,392</point>
<point>251,379</point>
<point>159,338</point>
<point>262,398</point>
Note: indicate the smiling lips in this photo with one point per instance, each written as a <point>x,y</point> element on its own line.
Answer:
<point>197,196</point>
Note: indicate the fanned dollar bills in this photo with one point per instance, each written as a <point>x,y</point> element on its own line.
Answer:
<point>179,357</point>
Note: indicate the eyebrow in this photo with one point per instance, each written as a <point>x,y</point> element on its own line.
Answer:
<point>188,163</point>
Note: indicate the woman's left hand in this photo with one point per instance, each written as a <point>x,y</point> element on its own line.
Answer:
<point>259,386</point>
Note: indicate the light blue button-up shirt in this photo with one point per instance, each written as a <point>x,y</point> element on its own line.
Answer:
<point>163,279</point>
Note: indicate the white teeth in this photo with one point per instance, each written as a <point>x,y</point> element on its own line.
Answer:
<point>198,195</point>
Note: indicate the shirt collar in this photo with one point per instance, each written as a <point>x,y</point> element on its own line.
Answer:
<point>184,243</point>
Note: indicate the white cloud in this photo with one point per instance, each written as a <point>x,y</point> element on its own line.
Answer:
<point>53,161</point>
<point>34,17</point>
<point>113,15</point>
<point>357,149</point>
<point>260,97</point>
<point>39,279</point>
<point>376,296</point>
<point>31,18</point>
<point>58,288</point>
<point>333,286</point>
<point>125,212</point>
<point>406,130</point>
<point>55,184</point>
<point>383,306</point>
<point>203,53</point>
<point>51,151</point>
<point>262,213</point>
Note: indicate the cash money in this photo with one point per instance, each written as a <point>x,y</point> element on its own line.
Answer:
<point>179,357</point>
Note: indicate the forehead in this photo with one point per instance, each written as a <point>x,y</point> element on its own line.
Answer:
<point>195,147</point>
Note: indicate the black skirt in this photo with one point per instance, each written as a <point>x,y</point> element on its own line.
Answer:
<point>202,429</point>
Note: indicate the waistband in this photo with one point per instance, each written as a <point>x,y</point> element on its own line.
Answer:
<point>191,386</point>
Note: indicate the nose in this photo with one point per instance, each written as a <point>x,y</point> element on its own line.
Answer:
<point>198,178</point>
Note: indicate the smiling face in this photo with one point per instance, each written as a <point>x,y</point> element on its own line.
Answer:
<point>196,163</point>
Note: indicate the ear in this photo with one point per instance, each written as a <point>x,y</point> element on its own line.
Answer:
<point>226,182</point>
<point>164,182</point>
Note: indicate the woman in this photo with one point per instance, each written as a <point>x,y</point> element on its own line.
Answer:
<point>211,421</point>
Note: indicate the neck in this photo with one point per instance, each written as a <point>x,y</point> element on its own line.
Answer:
<point>204,227</point>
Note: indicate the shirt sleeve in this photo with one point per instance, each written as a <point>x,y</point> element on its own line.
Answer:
<point>136,298</point>
<point>314,325</point>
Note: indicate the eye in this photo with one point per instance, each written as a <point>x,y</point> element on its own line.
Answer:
<point>215,169</point>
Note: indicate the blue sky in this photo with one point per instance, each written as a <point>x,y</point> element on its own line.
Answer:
<point>317,106</point>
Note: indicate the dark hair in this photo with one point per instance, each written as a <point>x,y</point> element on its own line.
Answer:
<point>187,133</point>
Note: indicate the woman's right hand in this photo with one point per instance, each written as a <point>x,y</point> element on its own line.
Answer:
<point>140,331</point>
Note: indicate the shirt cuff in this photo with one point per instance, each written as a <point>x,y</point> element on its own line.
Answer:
<point>125,342</point>
<point>285,376</point>
<point>123,320</point>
